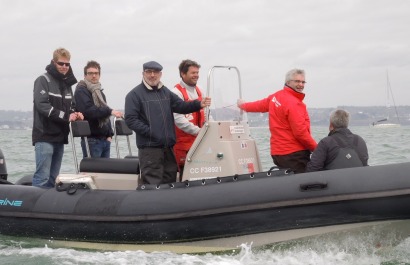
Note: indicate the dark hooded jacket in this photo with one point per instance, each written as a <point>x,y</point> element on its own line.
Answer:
<point>327,153</point>
<point>53,104</point>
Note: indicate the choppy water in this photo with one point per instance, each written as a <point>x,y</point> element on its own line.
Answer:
<point>386,146</point>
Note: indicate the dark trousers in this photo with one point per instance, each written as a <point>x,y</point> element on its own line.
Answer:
<point>296,161</point>
<point>158,165</point>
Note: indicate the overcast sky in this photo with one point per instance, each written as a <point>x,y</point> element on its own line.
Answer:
<point>345,46</point>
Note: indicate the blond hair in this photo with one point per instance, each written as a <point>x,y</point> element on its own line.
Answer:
<point>61,52</point>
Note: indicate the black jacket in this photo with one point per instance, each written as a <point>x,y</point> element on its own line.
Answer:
<point>53,104</point>
<point>328,149</point>
<point>149,113</point>
<point>85,104</point>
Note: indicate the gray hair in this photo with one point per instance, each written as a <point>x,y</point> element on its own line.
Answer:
<point>339,118</point>
<point>291,73</point>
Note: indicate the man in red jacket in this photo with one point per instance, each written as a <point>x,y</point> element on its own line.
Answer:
<point>291,142</point>
<point>187,126</point>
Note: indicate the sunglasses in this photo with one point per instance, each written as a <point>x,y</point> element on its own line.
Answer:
<point>63,64</point>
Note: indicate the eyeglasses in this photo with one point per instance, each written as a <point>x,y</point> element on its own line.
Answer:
<point>63,64</point>
<point>93,73</point>
<point>299,81</point>
<point>150,71</point>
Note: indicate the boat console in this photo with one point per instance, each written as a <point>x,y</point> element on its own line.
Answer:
<point>222,148</point>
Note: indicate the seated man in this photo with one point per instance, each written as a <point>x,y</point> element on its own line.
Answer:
<point>341,149</point>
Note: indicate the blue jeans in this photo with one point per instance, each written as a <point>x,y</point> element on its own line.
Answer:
<point>48,163</point>
<point>99,147</point>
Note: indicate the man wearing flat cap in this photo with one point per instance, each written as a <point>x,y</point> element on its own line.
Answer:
<point>149,109</point>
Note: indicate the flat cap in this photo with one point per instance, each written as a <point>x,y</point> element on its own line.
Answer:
<point>152,65</point>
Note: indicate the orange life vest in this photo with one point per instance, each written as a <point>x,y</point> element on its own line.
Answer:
<point>184,140</point>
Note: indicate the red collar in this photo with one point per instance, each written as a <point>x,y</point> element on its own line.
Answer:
<point>290,90</point>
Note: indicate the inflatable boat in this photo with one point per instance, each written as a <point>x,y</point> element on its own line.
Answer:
<point>222,200</point>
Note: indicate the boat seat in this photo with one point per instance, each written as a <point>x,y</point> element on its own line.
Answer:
<point>80,128</point>
<point>110,165</point>
<point>121,129</point>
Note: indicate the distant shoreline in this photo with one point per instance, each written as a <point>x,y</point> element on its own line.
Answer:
<point>359,116</point>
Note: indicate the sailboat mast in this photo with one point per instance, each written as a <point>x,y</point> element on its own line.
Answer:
<point>390,92</point>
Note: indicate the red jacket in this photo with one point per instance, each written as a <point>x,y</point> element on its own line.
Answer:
<point>289,121</point>
<point>185,140</point>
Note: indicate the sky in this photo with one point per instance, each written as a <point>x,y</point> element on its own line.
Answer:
<point>346,47</point>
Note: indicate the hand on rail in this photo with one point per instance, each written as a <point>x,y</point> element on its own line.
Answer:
<point>75,116</point>
<point>206,102</point>
<point>117,113</point>
<point>240,102</point>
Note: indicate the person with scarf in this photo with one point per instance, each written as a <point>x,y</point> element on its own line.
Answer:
<point>291,142</point>
<point>53,109</point>
<point>91,101</point>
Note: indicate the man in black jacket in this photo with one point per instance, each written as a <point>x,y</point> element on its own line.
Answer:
<point>53,109</point>
<point>149,109</point>
<point>341,149</point>
<point>91,101</point>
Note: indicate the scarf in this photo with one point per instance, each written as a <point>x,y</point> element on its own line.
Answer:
<point>96,92</point>
<point>68,79</point>
<point>160,84</point>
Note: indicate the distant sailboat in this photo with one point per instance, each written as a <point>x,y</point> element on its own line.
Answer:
<point>385,122</point>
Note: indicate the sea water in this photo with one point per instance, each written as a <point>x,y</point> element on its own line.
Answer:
<point>366,246</point>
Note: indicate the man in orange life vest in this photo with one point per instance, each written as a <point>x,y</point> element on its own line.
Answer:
<point>187,126</point>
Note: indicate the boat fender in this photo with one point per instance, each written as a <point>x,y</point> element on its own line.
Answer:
<point>71,188</point>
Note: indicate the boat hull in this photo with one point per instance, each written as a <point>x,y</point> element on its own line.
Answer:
<point>236,206</point>
<point>399,229</point>
<point>119,230</point>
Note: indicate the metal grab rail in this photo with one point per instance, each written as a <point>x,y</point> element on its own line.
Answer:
<point>202,132</point>
<point>208,89</point>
